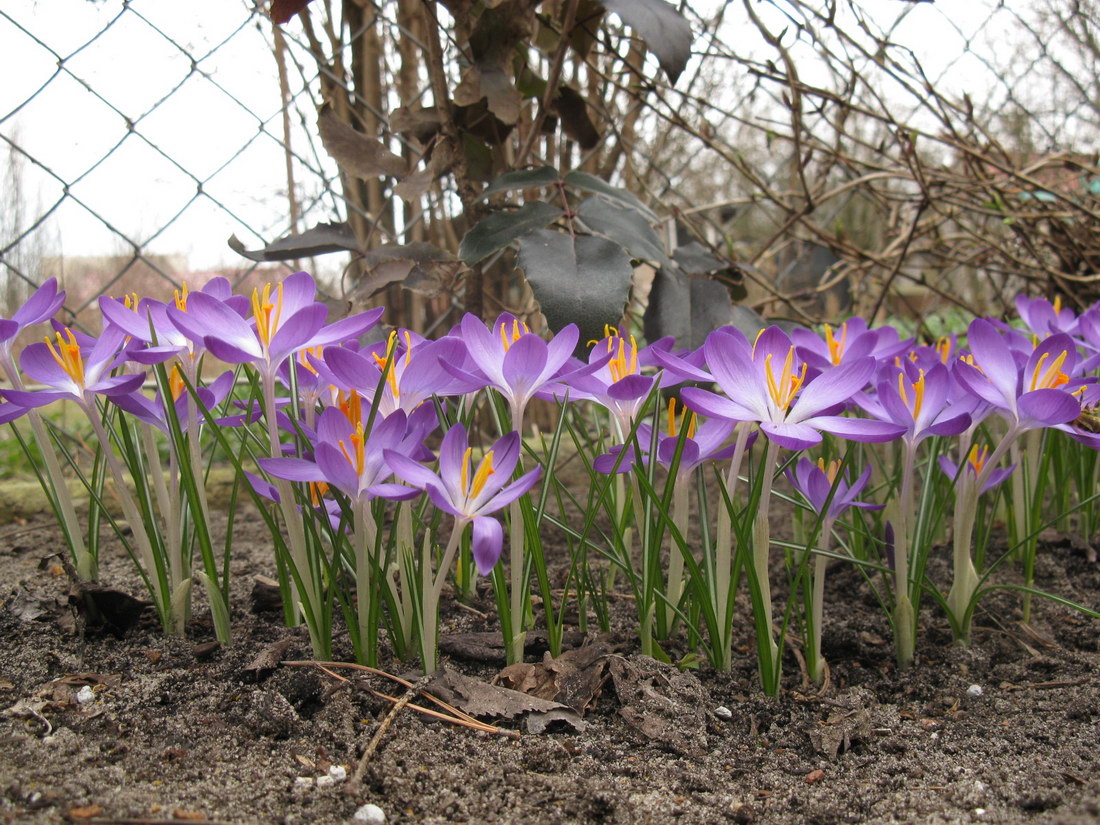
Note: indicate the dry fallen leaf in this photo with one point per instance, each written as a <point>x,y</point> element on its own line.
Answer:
<point>487,701</point>
<point>84,811</point>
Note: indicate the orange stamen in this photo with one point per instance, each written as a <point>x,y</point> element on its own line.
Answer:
<point>67,355</point>
<point>784,390</point>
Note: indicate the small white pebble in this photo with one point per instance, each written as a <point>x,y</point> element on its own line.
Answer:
<point>338,773</point>
<point>979,812</point>
<point>722,712</point>
<point>85,695</point>
<point>974,691</point>
<point>370,813</point>
<point>325,781</point>
<point>303,782</point>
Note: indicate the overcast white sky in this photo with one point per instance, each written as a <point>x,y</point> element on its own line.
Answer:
<point>69,130</point>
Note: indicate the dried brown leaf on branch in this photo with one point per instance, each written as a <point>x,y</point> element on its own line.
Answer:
<point>283,10</point>
<point>356,153</point>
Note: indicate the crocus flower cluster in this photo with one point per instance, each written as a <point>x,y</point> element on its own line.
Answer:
<point>336,423</point>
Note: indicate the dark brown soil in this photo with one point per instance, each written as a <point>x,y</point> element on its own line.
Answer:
<point>174,731</point>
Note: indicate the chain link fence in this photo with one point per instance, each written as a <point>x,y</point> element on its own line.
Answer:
<point>810,140</point>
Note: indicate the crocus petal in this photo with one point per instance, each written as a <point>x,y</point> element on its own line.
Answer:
<point>857,429</point>
<point>393,492</point>
<point>405,468</point>
<point>831,388</point>
<point>118,384</point>
<point>206,316</point>
<point>950,425</point>
<point>730,360</point>
<point>523,365</point>
<point>296,331</point>
<point>486,544</point>
<point>228,352</point>
<point>41,398</point>
<point>630,388</point>
<point>10,412</point>
<point>347,328</point>
<point>993,356</point>
<point>299,291</point>
<point>484,349</point>
<point>609,462</point>
<point>333,466</point>
<point>441,499</point>
<point>1049,407</point>
<point>8,330</point>
<point>511,492</point>
<point>42,304</point>
<point>791,436</point>
<point>713,405</point>
<point>153,355</point>
<point>39,365</point>
<point>292,469</point>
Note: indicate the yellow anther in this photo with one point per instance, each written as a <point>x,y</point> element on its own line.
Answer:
<point>303,357</point>
<point>673,429</point>
<point>623,363</point>
<point>977,458</point>
<point>351,406</point>
<point>385,364</point>
<point>317,490</point>
<point>356,457</point>
<point>130,301</point>
<point>943,347</point>
<point>1057,304</point>
<point>1052,376</point>
<point>836,348</point>
<point>484,470</point>
<point>176,383</point>
<point>784,390</point>
<point>67,355</point>
<point>180,297</point>
<point>830,471</point>
<point>267,312</point>
<point>918,393</point>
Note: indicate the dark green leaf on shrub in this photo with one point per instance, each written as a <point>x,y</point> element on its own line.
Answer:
<point>627,227</point>
<point>665,31</point>
<point>522,179</point>
<point>579,279</point>
<point>590,183</point>
<point>575,122</point>
<point>501,228</point>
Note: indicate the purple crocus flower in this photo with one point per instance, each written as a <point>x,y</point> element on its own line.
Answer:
<point>351,459</point>
<point>45,301</point>
<point>850,341</point>
<point>1044,317</point>
<point>153,410</point>
<point>512,359</point>
<point>919,404</point>
<point>467,493</point>
<point>707,443</point>
<point>815,481</point>
<point>975,465</point>
<point>766,382</point>
<point>1042,394</point>
<point>413,373</point>
<point>146,318</point>
<point>72,372</point>
<point>284,320</point>
<point>613,379</point>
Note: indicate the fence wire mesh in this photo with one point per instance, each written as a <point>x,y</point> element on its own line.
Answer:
<point>814,140</point>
